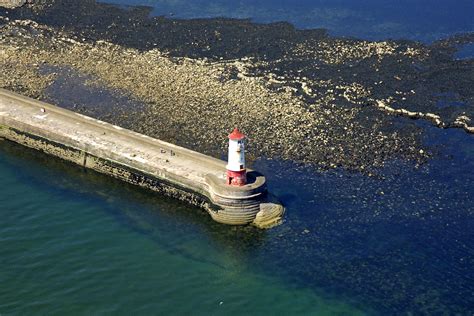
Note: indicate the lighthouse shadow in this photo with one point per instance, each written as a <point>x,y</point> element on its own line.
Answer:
<point>252,176</point>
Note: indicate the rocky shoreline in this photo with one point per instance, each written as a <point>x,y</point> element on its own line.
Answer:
<point>301,95</point>
<point>10,4</point>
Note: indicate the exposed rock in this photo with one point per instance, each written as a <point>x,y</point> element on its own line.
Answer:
<point>307,97</point>
<point>12,3</point>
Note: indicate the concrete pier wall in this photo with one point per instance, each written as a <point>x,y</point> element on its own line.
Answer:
<point>138,159</point>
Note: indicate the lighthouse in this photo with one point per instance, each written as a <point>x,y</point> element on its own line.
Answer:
<point>236,173</point>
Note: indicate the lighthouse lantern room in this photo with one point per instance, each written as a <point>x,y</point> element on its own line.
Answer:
<point>236,172</point>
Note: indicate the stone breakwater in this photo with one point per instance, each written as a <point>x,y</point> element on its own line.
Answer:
<point>137,159</point>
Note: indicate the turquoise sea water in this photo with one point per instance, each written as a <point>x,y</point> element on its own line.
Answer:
<point>73,242</point>
<point>76,242</point>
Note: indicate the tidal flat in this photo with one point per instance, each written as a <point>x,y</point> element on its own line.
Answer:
<point>301,94</point>
<point>367,143</point>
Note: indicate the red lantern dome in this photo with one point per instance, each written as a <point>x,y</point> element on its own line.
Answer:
<point>236,135</point>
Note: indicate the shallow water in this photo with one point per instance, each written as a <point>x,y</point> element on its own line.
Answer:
<point>401,241</point>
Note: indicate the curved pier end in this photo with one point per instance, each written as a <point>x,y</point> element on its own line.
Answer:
<point>247,204</point>
<point>138,159</point>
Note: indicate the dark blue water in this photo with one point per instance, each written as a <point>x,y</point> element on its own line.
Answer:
<point>465,51</point>
<point>399,242</point>
<point>424,20</point>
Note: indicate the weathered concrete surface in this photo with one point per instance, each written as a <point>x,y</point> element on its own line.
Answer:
<point>136,158</point>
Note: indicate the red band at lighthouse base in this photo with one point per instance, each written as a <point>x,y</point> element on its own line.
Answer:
<point>236,178</point>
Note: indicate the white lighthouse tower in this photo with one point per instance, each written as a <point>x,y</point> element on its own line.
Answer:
<point>236,172</point>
